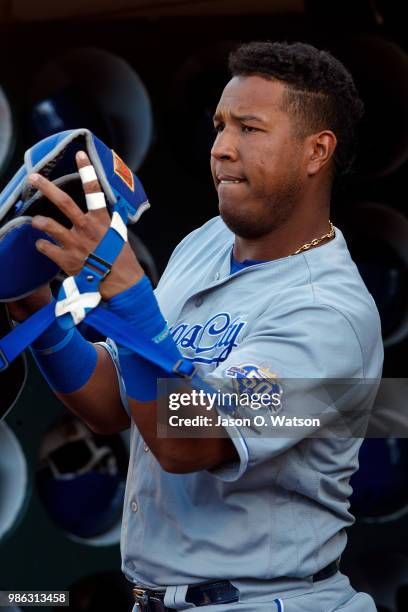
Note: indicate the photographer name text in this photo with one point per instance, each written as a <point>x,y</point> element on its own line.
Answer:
<point>257,420</point>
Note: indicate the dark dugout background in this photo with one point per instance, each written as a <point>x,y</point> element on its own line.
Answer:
<point>178,51</point>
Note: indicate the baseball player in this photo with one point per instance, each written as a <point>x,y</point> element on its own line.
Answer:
<point>267,291</point>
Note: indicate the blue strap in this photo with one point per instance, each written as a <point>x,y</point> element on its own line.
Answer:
<point>16,341</point>
<point>124,334</point>
<point>110,246</point>
<point>103,321</point>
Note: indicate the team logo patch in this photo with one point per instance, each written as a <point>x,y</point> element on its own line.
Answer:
<point>121,169</point>
<point>253,379</point>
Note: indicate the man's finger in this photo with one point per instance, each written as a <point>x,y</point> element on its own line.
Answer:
<point>54,229</point>
<point>95,198</point>
<point>58,197</point>
<point>68,262</point>
<point>51,250</point>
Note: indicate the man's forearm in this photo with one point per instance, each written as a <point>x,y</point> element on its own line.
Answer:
<point>98,402</point>
<point>181,454</point>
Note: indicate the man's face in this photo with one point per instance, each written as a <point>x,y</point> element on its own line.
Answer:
<point>256,160</point>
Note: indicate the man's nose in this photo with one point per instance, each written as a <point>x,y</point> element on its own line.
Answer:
<point>224,146</point>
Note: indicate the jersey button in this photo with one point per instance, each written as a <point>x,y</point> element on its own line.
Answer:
<point>146,448</point>
<point>134,506</point>
<point>199,301</point>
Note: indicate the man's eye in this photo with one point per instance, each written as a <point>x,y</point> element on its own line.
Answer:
<point>218,128</point>
<point>248,128</point>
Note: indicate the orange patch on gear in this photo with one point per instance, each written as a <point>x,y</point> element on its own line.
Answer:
<point>121,169</point>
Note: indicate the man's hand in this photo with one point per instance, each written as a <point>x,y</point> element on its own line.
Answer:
<point>75,244</point>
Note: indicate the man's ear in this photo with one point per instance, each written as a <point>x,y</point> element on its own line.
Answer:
<point>319,150</point>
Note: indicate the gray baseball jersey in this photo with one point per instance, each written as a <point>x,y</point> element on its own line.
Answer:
<point>281,509</point>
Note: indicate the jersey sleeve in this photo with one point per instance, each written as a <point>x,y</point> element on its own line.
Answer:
<point>111,348</point>
<point>289,356</point>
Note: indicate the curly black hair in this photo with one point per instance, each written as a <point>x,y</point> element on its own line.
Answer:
<point>320,92</point>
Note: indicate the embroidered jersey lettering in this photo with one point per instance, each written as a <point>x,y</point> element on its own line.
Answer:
<point>216,337</point>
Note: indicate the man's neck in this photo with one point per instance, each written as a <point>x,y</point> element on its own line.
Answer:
<point>284,240</point>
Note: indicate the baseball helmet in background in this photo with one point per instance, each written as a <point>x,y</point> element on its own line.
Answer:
<point>81,478</point>
<point>93,87</point>
<point>7,132</point>
<point>11,380</point>
<point>13,480</point>
<point>377,237</point>
<point>66,110</point>
<point>380,71</point>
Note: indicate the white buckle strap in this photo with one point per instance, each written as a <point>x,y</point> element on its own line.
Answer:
<point>75,302</point>
<point>119,226</point>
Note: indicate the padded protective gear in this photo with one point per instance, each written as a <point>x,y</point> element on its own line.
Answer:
<point>54,158</point>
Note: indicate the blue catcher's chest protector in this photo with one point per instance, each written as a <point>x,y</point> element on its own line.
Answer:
<point>27,269</point>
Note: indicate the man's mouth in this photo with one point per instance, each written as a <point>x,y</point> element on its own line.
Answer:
<point>229,180</point>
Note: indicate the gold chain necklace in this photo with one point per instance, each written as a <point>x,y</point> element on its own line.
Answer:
<point>315,241</point>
